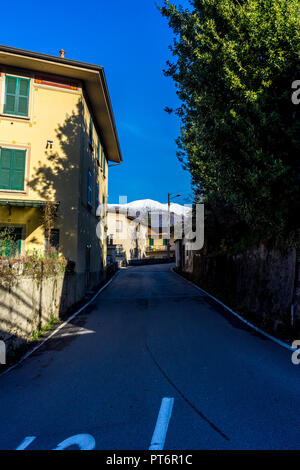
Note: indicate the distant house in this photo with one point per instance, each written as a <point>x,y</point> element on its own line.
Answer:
<point>127,237</point>
<point>155,225</point>
<point>158,239</point>
<point>57,135</point>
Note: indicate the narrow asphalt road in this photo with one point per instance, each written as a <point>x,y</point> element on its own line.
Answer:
<point>151,335</point>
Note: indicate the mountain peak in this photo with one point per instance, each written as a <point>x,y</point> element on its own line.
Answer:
<point>143,205</point>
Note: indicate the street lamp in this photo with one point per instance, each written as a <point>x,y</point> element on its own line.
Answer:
<point>170,196</point>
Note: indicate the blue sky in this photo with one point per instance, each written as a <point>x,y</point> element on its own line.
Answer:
<point>130,39</point>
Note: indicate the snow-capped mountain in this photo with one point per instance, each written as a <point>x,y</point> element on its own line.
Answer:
<point>149,205</point>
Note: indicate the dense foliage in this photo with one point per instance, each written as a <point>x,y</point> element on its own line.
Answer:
<point>235,61</point>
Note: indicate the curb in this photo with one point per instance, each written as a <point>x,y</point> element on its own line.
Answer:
<point>258,330</point>
<point>59,327</point>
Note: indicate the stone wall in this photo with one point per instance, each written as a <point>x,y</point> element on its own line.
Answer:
<point>28,303</point>
<point>257,281</point>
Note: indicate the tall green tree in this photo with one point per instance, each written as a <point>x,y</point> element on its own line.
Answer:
<point>234,64</point>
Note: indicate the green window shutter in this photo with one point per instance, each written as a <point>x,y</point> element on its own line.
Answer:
<point>5,168</point>
<point>17,96</point>
<point>18,170</point>
<point>10,95</point>
<point>11,242</point>
<point>151,241</point>
<point>23,98</point>
<point>15,248</point>
<point>165,242</point>
<point>12,169</point>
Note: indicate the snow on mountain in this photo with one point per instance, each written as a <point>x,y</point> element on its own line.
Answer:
<point>149,205</point>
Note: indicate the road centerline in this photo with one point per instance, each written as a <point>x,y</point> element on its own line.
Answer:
<point>162,424</point>
<point>26,442</point>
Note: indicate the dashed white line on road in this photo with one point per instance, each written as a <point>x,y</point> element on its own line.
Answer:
<point>27,441</point>
<point>162,423</point>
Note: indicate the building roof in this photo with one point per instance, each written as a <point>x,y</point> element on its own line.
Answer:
<point>95,85</point>
<point>111,210</point>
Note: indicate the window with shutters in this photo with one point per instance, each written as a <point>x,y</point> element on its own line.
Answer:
<point>98,151</point>
<point>97,196</point>
<point>91,133</point>
<point>10,240</point>
<point>89,195</point>
<point>101,159</point>
<point>16,96</point>
<point>104,205</point>
<point>104,164</point>
<point>12,169</point>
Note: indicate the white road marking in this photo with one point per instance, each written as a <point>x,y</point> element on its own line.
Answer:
<point>76,332</point>
<point>60,326</point>
<point>272,338</point>
<point>27,441</point>
<point>162,423</point>
<point>83,441</point>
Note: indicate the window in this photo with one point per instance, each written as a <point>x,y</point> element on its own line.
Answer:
<point>151,241</point>
<point>103,205</point>
<point>104,164</point>
<point>101,159</point>
<point>97,196</point>
<point>10,241</point>
<point>89,195</point>
<point>53,239</point>
<point>16,96</point>
<point>12,169</point>
<point>98,151</point>
<point>91,132</point>
<point>165,241</point>
<point>119,250</point>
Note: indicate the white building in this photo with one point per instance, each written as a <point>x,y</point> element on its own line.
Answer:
<point>127,236</point>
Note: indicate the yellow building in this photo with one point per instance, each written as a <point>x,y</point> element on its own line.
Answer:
<point>158,243</point>
<point>57,135</point>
